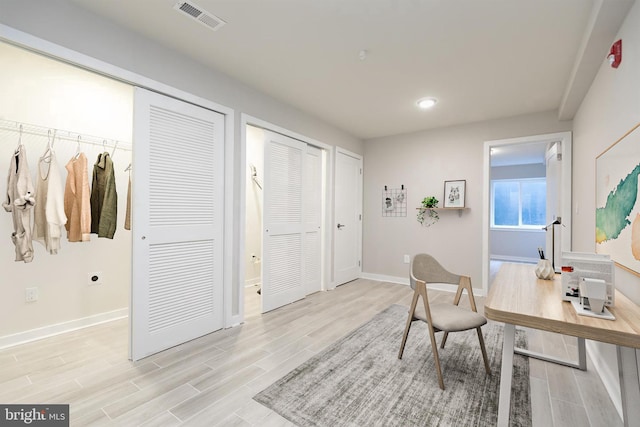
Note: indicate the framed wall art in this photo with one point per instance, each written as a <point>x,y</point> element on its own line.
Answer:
<point>617,204</point>
<point>454,193</point>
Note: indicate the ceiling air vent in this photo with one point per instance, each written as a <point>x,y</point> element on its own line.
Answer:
<point>199,14</point>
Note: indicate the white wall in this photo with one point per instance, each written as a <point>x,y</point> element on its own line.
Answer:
<point>610,109</point>
<point>40,91</point>
<point>512,244</point>
<point>516,245</point>
<point>519,171</point>
<point>253,219</point>
<point>65,24</point>
<point>421,162</point>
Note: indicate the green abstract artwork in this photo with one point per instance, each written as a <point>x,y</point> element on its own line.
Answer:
<point>618,202</point>
<point>614,216</point>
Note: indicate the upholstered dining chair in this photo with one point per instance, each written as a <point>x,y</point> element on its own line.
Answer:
<point>442,317</point>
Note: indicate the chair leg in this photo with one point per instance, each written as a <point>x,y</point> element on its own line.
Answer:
<point>422,289</point>
<point>484,351</point>
<point>436,358</point>
<point>412,310</point>
<point>444,339</point>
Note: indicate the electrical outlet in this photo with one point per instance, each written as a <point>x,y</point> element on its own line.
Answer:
<point>31,294</point>
<point>94,278</point>
<point>407,260</point>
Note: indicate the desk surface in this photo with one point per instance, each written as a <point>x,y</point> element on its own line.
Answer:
<point>518,297</point>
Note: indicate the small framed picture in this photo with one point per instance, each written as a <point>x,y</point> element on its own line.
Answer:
<point>454,192</point>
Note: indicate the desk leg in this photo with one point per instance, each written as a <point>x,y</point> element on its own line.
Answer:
<point>504,402</point>
<point>582,356</point>
<point>628,370</point>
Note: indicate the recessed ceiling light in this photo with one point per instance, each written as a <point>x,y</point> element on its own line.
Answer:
<point>426,103</point>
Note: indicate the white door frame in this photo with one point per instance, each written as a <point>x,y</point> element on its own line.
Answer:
<point>246,119</point>
<point>55,51</point>
<point>565,138</point>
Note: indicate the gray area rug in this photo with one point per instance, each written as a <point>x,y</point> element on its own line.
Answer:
<point>359,380</point>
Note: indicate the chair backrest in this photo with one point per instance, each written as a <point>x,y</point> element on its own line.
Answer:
<point>425,267</point>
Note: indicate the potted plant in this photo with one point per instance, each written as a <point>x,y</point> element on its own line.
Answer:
<point>426,214</point>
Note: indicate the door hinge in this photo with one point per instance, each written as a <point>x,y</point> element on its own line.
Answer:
<point>360,217</point>
<point>559,157</point>
<point>358,263</point>
<point>360,171</point>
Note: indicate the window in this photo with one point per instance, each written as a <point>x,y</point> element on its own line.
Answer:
<point>519,203</point>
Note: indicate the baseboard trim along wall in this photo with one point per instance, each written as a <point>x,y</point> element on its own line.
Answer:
<point>402,281</point>
<point>60,328</point>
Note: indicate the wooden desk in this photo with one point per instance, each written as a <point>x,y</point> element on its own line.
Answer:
<point>518,297</point>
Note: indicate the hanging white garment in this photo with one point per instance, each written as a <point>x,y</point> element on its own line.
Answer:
<point>19,201</point>
<point>49,215</point>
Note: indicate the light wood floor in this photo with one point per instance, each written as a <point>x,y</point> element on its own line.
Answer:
<point>211,380</point>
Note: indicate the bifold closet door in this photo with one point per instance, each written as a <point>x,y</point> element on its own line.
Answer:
<point>178,186</point>
<point>283,235</point>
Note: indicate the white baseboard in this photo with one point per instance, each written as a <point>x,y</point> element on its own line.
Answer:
<point>60,328</point>
<point>405,281</point>
<point>385,278</point>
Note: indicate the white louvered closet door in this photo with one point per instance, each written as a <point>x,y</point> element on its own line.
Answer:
<point>283,236</point>
<point>312,196</point>
<point>178,193</point>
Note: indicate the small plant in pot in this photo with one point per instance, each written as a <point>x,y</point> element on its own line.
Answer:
<point>426,215</point>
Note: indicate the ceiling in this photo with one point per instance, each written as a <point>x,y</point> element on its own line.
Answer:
<point>482,59</point>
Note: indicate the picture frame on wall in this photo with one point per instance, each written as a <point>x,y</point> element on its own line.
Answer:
<point>454,193</point>
<point>617,205</point>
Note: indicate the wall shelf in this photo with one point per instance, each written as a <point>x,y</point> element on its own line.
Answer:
<point>446,209</point>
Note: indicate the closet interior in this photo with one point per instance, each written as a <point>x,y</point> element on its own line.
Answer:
<point>53,115</point>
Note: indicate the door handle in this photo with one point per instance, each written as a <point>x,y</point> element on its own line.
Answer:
<point>341,226</point>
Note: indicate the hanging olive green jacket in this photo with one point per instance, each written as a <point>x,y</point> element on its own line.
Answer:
<point>104,199</point>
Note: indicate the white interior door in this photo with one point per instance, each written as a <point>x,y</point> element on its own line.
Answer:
<point>312,196</point>
<point>348,217</point>
<point>553,245</point>
<point>283,251</point>
<point>178,189</point>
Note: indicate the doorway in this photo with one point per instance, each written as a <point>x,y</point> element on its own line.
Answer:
<point>515,171</point>
<point>285,216</point>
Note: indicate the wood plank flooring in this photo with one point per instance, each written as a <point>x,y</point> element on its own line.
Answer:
<point>211,380</point>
